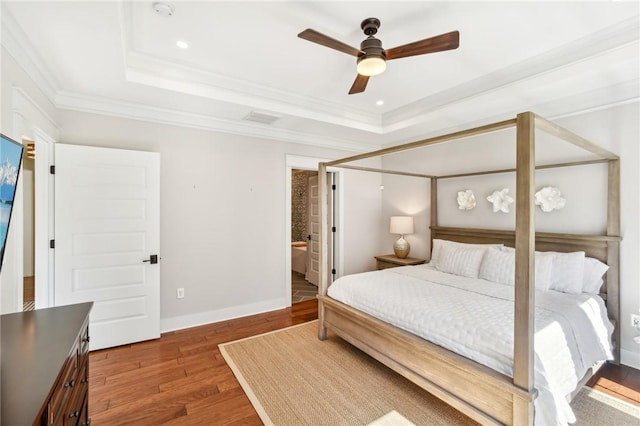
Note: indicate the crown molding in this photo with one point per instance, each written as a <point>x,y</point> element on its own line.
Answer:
<point>17,44</point>
<point>133,111</point>
<point>27,107</point>
<point>583,49</point>
<point>579,104</point>
<point>305,108</point>
<point>179,77</point>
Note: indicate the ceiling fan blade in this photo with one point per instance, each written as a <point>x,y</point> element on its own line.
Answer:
<point>316,37</point>
<point>359,84</point>
<point>439,43</point>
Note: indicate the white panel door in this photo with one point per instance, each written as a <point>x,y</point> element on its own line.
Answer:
<point>107,229</point>
<point>313,228</point>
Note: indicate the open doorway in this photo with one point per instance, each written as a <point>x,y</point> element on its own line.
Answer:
<point>304,185</point>
<point>333,239</point>
<point>28,247</point>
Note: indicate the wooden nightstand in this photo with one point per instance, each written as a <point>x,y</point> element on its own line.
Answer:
<point>392,261</point>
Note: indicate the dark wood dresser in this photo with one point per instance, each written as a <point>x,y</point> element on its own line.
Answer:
<point>45,366</point>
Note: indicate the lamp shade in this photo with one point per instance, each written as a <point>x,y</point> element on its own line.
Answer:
<point>401,225</point>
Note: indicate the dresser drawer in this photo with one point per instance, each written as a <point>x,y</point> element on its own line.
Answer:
<point>64,388</point>
<point>74,404</point>
<point>386,265</point>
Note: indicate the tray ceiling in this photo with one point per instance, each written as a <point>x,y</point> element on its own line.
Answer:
<point>244,59</point>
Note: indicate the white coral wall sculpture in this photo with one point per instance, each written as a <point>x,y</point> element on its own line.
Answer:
<point>500,200</point>
<point>549,198</point>
<point>466,200</point>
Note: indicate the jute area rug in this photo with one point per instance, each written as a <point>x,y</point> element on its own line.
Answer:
<point>292,378</point>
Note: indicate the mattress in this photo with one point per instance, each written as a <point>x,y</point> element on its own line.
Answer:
<point>474,318</point>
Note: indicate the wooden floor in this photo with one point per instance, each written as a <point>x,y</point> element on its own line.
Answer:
<point>618,380</point>
<point>182,379</point>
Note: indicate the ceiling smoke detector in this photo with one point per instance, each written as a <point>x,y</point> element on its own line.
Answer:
<point>163,9</point>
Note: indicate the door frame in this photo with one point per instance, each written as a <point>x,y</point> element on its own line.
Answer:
<point>311,163</point>
<point>43,220</point>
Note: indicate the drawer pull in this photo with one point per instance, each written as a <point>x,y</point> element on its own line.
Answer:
<point>74,414</point>
<point>70,384</point>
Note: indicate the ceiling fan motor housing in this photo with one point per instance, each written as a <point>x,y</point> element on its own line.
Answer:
<point>371,46</point>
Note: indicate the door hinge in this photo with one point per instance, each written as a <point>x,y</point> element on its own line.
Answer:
<point>52,243</point>
<point>333,187</point>
<point>333,271</point>
<point>333,229</point>
<point>52,170</point>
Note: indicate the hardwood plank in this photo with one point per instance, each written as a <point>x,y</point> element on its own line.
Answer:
<point>120,395</point>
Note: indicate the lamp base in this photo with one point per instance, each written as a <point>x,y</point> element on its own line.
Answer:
<point>401,248</point>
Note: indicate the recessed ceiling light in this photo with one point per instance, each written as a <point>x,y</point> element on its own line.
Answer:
<point>182,44</point>
<point>380,102</point>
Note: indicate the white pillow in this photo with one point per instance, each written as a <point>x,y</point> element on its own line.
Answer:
<point>567,272</point>
<point>594,270</point>
<point>460,260</point>
<point>438,244</point>
<point>544,265</point>
<point>499,265</point>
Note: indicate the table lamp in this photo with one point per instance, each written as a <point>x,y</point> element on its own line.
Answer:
<point>401,225</point>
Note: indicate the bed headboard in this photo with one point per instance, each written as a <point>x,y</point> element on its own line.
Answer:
<point>593,245</point>
<point>602,247</point>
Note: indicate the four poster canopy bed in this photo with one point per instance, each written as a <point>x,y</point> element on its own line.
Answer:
<point>502,354</point>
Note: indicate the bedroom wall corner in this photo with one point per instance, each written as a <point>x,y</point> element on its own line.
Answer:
<point>223,226</point>
<point>406,196</point>
<point>618,130</point>
<point>362,200</point>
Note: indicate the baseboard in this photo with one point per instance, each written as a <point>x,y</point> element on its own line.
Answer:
<point>208,317</point>
<point>630,358</point>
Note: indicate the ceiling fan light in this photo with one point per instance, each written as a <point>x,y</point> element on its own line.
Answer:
<point>371,65</point>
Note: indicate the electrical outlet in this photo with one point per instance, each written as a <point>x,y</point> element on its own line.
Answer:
<point>180,293</point>
<point>635,320</point>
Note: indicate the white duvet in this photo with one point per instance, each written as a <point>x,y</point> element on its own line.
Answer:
<point>474,318</point>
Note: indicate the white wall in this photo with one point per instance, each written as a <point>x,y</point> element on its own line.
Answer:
<point>616,129</point>
<point>223,214</point>
<point>24,110</point>
<point>406,196</point>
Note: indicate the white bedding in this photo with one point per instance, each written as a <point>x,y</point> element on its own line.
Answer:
<point>474,318</point>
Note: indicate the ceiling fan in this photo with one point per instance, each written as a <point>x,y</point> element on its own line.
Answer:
<point>372,58</point>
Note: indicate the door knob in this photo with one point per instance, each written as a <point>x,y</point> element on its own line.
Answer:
<point>152,259</point>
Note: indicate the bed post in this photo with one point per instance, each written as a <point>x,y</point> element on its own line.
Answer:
<point>434,210</point>
<point>613,253</point>
<point>524,313</point>
<point>323,276</point>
